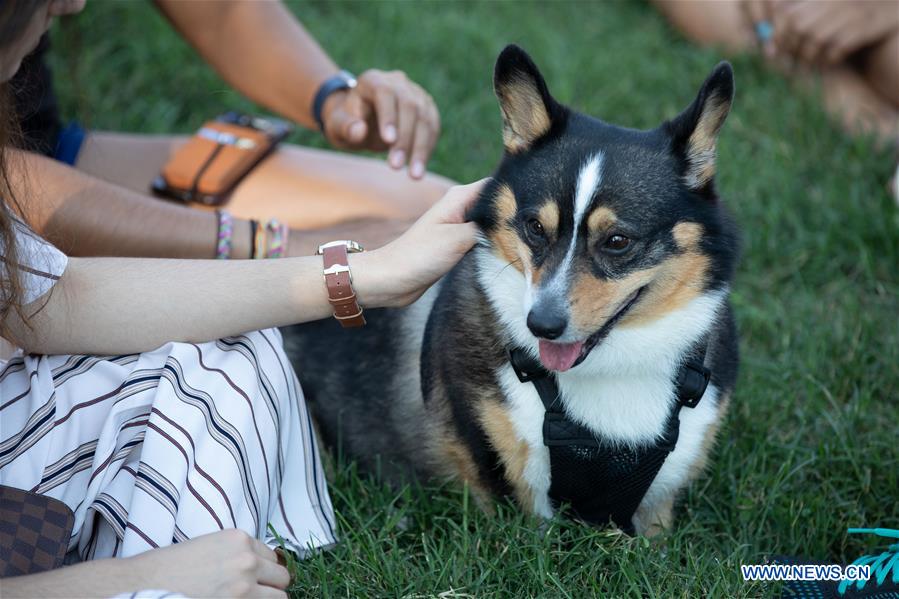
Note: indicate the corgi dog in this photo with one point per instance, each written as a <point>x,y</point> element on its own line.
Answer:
<point>581,357</point>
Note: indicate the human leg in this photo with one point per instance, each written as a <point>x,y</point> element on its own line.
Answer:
<point>850,99</point>
<point>307,188</point>
<point>880,67</point>
<point>720,23</point>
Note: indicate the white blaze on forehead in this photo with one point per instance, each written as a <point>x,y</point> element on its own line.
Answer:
<point>588,181</point>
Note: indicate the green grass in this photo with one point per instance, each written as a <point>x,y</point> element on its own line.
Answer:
<point>810,445</point>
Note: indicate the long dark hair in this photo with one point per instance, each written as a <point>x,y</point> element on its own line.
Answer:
<point>14,17</point>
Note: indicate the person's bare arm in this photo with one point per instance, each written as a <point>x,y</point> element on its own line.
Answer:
<point>120,305</point>
<point>98,578</point>
<point>264,52</point>
<point>257,47</point>
<point>228,563</point>
<point>86,216</point>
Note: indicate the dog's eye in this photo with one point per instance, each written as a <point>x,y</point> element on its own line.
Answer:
<point>535,229</point>
<point>616,244</point>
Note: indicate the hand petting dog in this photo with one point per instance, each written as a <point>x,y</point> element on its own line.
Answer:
<point>398,273</point>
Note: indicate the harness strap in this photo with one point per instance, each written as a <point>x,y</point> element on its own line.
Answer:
<point>600,481</point>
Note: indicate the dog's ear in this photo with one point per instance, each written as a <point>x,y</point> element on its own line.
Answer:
<point>528,109</point>
<point>694,132</point>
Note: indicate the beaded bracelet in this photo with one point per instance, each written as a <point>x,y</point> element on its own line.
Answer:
<point>225,234</point>
<point>278,234</point>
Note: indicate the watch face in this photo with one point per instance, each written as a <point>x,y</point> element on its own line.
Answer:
<point>349,78</point>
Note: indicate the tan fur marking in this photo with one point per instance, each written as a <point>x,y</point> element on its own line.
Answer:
<point>677,281</point>
<point>652,520</point>
<point>601,219</point>
<point>525,116</point>
<point>505,203</point>
<point>687,235</point>
<point>549,218</point>
<point>674,283</point>
<point>506,242</point>
<point>701,145</point>
<point>458,464</point>
<point>513,452</point>
<point>594,301</point>
<point>709,439</point>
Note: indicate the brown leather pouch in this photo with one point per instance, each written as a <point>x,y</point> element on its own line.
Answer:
<point>34,532</point>
<point>209,166</point>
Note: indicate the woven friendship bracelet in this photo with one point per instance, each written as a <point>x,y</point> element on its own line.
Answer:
<point>278,233</point>
<point>225,235</point>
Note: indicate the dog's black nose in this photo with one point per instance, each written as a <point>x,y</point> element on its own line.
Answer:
<point>546,324</point>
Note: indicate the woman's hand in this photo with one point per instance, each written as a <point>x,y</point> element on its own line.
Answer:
<point>385,110</point>
<point>817,32</point>
<point>398,273</point>
<point>229,563</point>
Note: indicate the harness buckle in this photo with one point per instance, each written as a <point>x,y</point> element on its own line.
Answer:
<point>519,360</point>
<point>691,384</point>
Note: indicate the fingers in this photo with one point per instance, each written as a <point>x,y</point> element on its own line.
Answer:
<point>264,551</point>
<point>407,121</point>
<point>795,28</point>
<point>346,124</point>
<point>426,133</point>
<point>784,38</point>
<point>386,113</point>
<point>268,593</point>
<point>272,574</point>
<point>375,88</point>
<point>407,118</point>
<point>841,42</point>
<point>269,571</point>
<point>811,28</point>
<point>264,565</point>
<point>455,203</point>
<point>464,236</point>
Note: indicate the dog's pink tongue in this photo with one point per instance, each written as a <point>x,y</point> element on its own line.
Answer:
<point>559,356</point>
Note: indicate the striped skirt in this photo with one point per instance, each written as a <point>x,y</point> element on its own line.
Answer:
<point>155,448</point>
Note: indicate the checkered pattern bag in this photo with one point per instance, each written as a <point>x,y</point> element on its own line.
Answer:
<point>34,532</point>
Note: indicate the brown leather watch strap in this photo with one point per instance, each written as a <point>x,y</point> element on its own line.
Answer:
<point>340,287</point>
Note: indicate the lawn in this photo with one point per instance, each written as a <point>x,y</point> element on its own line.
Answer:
<point>810,445</point>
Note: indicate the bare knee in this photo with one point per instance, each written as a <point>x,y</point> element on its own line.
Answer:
<point>722,23</point>
<point>881,69</point>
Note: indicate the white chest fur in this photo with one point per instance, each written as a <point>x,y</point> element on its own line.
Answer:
<point>623,391</point>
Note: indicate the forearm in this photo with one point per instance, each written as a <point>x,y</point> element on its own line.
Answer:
<point>120,305</point>
<point>86,216</point>
<point>98,578</point>
<point>125,305</point>
<point>259,48</point>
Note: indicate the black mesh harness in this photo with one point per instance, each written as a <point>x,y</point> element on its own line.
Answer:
<point>599,481</point>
